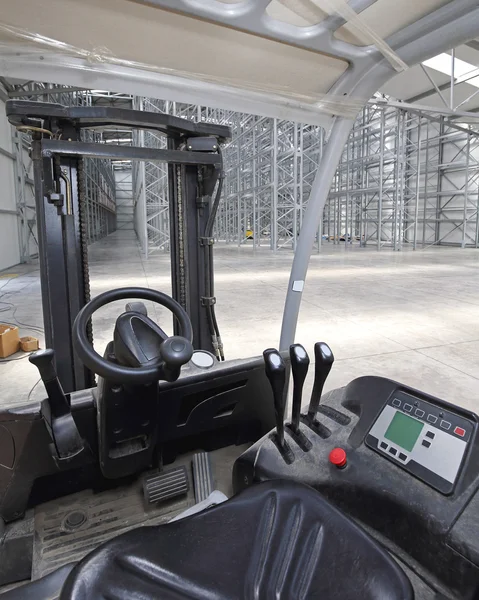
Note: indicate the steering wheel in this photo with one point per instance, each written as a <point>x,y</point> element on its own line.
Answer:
<point>175,351</point>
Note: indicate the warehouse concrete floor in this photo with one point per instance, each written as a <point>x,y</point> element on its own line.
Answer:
<point>411,316</point>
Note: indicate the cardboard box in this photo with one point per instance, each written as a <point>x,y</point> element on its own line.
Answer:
<point>9,340</point>
<point>29,344</point>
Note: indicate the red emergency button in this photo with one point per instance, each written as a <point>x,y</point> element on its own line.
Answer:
<point>337,457</point>
<point>460,431</point>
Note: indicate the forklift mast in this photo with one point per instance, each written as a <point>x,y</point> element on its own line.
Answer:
<point>195,175</point>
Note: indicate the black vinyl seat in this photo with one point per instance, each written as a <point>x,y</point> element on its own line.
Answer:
<point>277,539</point>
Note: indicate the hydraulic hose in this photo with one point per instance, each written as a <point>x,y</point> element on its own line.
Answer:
<point>209,286</point>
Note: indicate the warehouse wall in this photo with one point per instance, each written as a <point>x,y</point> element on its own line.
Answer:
<point>9,234</point>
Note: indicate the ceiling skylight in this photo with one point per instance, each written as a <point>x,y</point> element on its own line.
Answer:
<point>463,71</point>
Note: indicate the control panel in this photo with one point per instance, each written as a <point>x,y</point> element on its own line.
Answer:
<point>424,439</point>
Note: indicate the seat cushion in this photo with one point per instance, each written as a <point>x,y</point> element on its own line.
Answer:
<point>278,539</point>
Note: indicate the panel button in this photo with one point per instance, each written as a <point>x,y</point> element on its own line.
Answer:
<point>419,413</point>
<point>426,443</point>
<point>460,431</point>
<point>396,402</point>
<point>445,425</point>
<point>432,418</point>
<point>402,456</point>
<point>430,434</point>
<point>383,445</point>
<point>407,407</point>
<point>393,451</point>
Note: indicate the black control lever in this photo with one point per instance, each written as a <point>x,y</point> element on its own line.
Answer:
<point>65,435</point>
<point>175,351</point>
<point>324,359</point>
<point>276,373</point>
<point>299,366</point>
<point>43,360</point>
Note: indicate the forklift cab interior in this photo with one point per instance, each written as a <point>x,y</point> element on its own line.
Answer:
<point>371,491</point>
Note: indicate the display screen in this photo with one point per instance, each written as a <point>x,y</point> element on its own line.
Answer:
<point>404,431</point>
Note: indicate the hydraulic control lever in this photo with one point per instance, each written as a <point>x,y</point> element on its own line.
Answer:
<point>299,366</point>
<point>276,373</point>
<point>324,359</point>
<point>56,410</point>
<point>43,360</point>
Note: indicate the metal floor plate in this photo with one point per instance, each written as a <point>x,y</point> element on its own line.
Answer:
<point>68,528</point>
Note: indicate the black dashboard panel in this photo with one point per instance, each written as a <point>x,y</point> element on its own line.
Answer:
<point>410,509</point>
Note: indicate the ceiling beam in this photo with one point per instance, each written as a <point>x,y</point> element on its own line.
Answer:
<point>445,86</point>
<point>474,44</point>
<point>6,84</point>
<point>45,91</point>
<point>427,93</point>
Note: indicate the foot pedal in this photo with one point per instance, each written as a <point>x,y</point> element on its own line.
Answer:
<point>202,476</point>
<point>165,485</point>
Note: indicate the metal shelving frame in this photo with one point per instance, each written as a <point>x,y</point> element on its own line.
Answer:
<point>406,178</point>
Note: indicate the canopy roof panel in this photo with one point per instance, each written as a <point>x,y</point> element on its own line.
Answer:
<point>383,16</point>
<point>273,57</point>
<point>152,36</point>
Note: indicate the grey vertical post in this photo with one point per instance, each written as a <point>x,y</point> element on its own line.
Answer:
<point>254,225</point>
<point>453,61</point>
<point>142,219</point>
<point>441,142</point>
<point>238,180</point>
<point>274,215</point>
<point>295,185</point>
<point>466,191</point>
<point>418,180</point>
<point>381,178</point>
<point>313,214</point>
<point>396,177</point>
<point>301,175</point>
<point>402,178</point>
<point>348,185</point>
<point>476,238</point>
<point>362,197</point>
<point>426,178</point>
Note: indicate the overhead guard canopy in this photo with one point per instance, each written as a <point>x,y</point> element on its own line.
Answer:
<point>272,57</point>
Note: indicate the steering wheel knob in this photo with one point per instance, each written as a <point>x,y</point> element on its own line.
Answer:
<point>176,351</point>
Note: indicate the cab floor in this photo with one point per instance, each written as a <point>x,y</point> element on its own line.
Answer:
<point>113,512</point>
